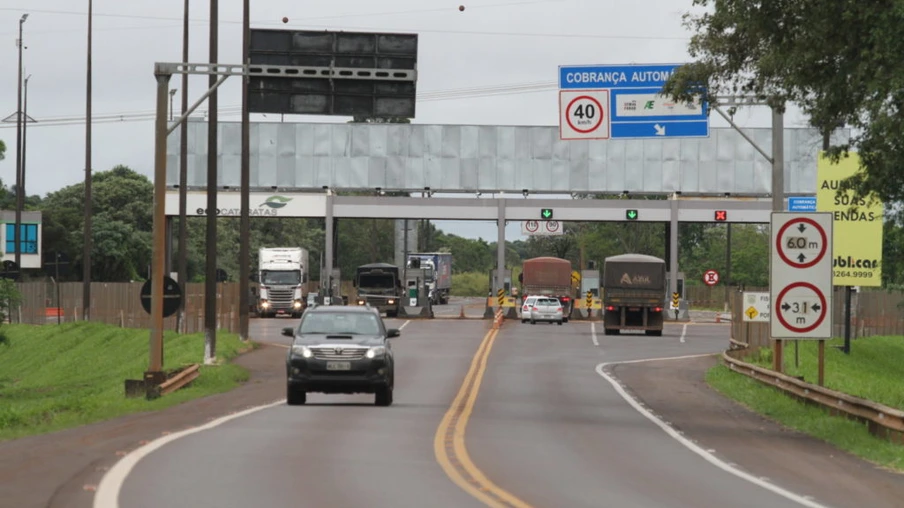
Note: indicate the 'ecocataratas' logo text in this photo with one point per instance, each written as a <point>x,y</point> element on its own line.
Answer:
<point>268,208</point>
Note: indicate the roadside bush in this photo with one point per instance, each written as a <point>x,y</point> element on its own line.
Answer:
<point>470,284</point>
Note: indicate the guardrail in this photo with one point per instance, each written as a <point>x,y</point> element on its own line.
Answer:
<point>882,421</point>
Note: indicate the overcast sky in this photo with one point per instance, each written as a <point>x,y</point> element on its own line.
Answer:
<point>491,43</point>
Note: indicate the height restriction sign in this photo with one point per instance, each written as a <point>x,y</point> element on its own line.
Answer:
<point>584,114</point>
<point>801,276</point>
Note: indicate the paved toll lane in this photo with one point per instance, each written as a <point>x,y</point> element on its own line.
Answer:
<point>548,429</point>
<point>335,451</point>
<point>269,331</point>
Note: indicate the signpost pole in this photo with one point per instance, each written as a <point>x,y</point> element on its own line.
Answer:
<point>822,362</point>
<point>847,319</point>
<point>154,375</point>
<point>778,201</point>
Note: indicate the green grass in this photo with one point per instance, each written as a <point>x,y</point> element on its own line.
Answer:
<point>874,369</point>
<point>869,372</point>
<point>56,377</point>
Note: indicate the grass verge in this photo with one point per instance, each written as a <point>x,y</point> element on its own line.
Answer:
<point>57,377</point>
<point>856,374</point>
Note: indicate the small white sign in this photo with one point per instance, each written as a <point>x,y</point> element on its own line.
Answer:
<point>650,104</point>
<point>583,114</point>
<point>542,228</point>
<point>755,307</point>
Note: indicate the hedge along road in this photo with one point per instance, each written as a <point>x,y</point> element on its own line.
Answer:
<point>545,429</point>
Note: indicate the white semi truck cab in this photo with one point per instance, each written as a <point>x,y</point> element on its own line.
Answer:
<point>283,275</point>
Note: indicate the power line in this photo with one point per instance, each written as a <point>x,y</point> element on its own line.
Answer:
<point>438,95</point>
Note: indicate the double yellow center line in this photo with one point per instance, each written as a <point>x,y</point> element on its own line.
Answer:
<point>449,441</point>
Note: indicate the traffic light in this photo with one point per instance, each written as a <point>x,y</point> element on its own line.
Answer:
<point>546,213</point>
<point>631,214</point>
<point>721,215</point>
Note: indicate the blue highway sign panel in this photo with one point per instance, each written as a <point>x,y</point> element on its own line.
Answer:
<point>636,108</point>
<point>802,203</point>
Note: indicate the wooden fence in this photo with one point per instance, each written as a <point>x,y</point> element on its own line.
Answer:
<point>873,313</point>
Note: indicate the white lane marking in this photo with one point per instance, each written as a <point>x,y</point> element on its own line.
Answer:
<point>404,324</point>
<point>709,457</point>
<point>593,334</point>
<point>107,495</point>
<point>683,332</point>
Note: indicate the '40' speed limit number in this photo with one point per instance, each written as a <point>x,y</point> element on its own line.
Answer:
<point>585,114</point>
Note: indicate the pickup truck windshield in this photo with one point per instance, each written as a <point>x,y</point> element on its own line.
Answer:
<point>376,281</point>
<point>280,277</point>
<point>340,323</point>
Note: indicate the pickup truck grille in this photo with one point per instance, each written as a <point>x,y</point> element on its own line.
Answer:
<point>338,352</point>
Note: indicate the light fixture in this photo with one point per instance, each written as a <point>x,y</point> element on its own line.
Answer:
<point>524,192</point>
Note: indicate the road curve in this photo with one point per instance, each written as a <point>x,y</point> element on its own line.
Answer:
<point>335,451</point>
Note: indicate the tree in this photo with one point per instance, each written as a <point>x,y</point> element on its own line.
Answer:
<point>795,51</point>
<point>2,150</point>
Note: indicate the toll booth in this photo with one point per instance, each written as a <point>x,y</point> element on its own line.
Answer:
<point>590,281</point>
<point>331,292</point>
<point>416,299</point>
<point>507,275</point>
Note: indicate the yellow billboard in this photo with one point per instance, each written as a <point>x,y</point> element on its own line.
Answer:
<point>857,225</point>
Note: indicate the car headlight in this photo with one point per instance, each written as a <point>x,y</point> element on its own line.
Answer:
<point>303,351</point>
<point>375,352</point>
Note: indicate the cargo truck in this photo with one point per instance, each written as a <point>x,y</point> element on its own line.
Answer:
<point>548,276</point>
<point>634,289</point>
<point>283,275</point>
<point>379,285</point>
<point>438,266</point>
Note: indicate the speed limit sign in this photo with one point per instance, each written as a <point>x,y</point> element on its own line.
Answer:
<point>584,114</point>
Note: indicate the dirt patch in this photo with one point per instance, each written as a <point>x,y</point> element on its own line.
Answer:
<point>61,469</point>
<point>677,392</point>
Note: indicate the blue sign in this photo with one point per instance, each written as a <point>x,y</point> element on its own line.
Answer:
<point>801,204</point>
<point>636,110</point>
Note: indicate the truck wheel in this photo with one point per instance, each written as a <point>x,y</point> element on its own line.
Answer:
<point>559,323</point>
<point>654,333</point>
<point>391,313</point>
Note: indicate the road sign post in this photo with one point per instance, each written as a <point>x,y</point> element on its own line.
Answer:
<point>801,277</point>
<point>635,107</point>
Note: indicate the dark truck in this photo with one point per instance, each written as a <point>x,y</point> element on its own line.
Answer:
<point>634,289</point>
<point>380,287</point>
<point>548,276</point>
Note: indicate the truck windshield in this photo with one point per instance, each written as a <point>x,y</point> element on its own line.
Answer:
<point>376,281</point>
<point>283,277</point>
<point>340,323</point>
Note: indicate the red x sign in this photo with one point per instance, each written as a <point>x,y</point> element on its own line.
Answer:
<point>721,215</point>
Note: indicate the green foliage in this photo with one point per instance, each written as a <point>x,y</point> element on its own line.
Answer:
<point>10,297</point>
<point>2,150</point>
<point>792,51</point>
<point>57,377</point>
<point>471,284</point>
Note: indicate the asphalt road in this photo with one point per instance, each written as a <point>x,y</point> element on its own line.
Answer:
<point>544,428</point>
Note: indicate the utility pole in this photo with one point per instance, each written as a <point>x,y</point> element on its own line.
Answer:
<point>183,174</point>
<point>244,219</point>
<point>778,196</point>
<point>20,202</point>
<point>210,278</point>
<point>86,254</point>
<point>20,120</point>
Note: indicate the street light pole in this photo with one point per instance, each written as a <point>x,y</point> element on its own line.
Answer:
<point>19,122</point>
<point>86,254</point>
<point>20,196</point>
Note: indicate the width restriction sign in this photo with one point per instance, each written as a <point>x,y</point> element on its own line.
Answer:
<point>584,114</point>
<point>801,276</point>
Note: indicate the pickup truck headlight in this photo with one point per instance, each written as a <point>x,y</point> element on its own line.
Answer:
<point>376,352</point>
<point>302,351</point>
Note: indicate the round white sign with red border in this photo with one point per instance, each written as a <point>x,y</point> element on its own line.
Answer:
<point>801,307</point>
<point>710,277</point>
<point>801,243</point>
<point>584,114</point>
<point>532,226</point>
<point>552,226</point>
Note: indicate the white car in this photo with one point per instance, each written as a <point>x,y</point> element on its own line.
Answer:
<point>526,307</point>
<point>546,309</point>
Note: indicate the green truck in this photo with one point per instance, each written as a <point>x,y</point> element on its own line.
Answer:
<point>634,291</point>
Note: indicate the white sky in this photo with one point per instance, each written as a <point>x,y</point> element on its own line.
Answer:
<point>491,43</point>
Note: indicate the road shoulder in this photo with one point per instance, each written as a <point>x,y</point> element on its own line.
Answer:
<point>677,392</point>
<point>61,469</point>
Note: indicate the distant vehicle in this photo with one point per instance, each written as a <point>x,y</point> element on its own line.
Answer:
<point>439,275</point>
<point>282,273</point>
<point>547,310</point>
<point>340,349</point>
<point>527,307</point>
<point>634,291</point>
<point>548,276</point>
<point>379,285</point>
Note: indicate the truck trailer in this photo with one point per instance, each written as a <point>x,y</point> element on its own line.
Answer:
<point>439,273</point>
<point>283,274</point>
<point>379,285</point>
<point>633,294</point>
<point>548,276</point>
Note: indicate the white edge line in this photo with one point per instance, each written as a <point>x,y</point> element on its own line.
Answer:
<point>107,495</point>
<point>683,332</point>
<point>709,457</point>
<point>593,334</point>
<point>405,323</point>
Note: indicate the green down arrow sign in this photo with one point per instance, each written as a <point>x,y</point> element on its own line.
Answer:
<point>631,214</point>
<point>546,213</point>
